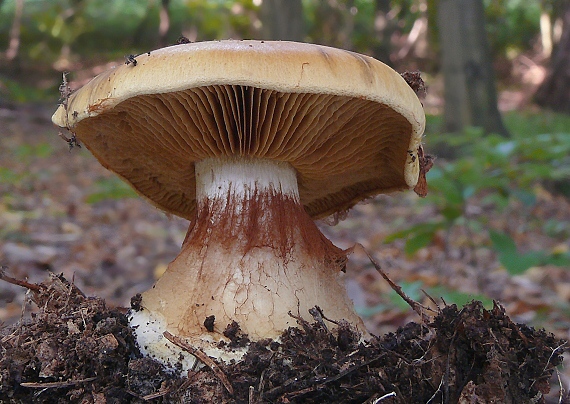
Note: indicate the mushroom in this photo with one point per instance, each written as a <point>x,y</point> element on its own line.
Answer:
<point>251,141</point>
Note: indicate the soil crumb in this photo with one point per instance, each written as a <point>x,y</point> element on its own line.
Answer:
<point>77,350</point>
<point>415,81</point>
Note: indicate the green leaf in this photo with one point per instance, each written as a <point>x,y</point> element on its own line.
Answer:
<point>559,260</point>
<point>8,176</point>
<point>448,189</point>
<point>367,312</point>
<point>528,198</point>
<point>418,241</point>
<point>452,212</point>
<point>519,263</point>
<point>415,229</point>
<point>400,234</point>
<point>514,262</point>
<point>503,243</point>
<point>459,298</point>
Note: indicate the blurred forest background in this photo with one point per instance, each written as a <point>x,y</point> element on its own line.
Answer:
<point>495,225</point>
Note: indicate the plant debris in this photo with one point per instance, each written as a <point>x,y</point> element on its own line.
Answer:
<point>182,40</point>
<point>426,163</point>
<point>77,350</point>
<point>64,90</point>
<point>415,81</point>
<point>131,59</point>
<point>71,141</point>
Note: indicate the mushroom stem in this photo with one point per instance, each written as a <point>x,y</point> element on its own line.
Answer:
<point>252,255</point>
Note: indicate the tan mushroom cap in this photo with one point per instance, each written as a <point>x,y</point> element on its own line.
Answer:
<point>348,124</point>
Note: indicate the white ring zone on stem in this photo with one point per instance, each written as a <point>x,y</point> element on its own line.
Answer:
<point>218,177</point>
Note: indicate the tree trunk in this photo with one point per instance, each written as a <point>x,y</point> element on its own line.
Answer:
<point>384,27</point>
<point>554,92</point>
<point>164,24</point>
<point>283,20</point>
<point>470,94</point>
<point>14,45</point>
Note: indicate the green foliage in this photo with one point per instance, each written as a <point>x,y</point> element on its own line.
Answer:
<point>94,30</point>
<point>497,173</point>
<point>516,262</point>
<point>452,296</point>
<point>9,177</point>
<point>417,236</point>
<point>26,151</point>
<point>110,188</point>
<point>23,92</point>
<point>512,24</point>
<point>441,294</point>
<point>415,291</point>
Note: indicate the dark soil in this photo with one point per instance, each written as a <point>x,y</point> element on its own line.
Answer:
<point>77,350</point>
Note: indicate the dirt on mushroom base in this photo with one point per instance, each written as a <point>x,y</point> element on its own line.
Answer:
<point>76,349</point>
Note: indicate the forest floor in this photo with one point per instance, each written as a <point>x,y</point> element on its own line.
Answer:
<point>61,212</point>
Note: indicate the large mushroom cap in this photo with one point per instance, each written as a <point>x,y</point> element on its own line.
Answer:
<point>347,123</point>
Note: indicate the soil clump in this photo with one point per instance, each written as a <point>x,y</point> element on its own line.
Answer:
<point>75,349</point>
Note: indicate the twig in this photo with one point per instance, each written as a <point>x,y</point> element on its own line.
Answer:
<point>24,303</point>
<point>203,357</point>
<point>132,393</point>
<point>281,388</point>
<point>325,317</point>
<point>157,394</point>
<point>431,299</point>
<point>561,387</point>
<point>189,379</point>
<point>319,317</point>
<point>437,391</point>
<point>319,383</point>
<point>385,396</point>
<point>52,385</point>
<point>562,345</point>
<point>71,142</point>
<point>301,321</point>
<point>14,281</point>
<point>151,396</point>
<point>261,384</point>
<point>417,307</point>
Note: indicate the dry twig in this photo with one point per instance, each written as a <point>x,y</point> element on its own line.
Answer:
<point>417,307</point>
<point>201,356</point>
<point>55,385</point>
<point>18,282</point>
<point>385,396</point>
<point>320,382</point>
